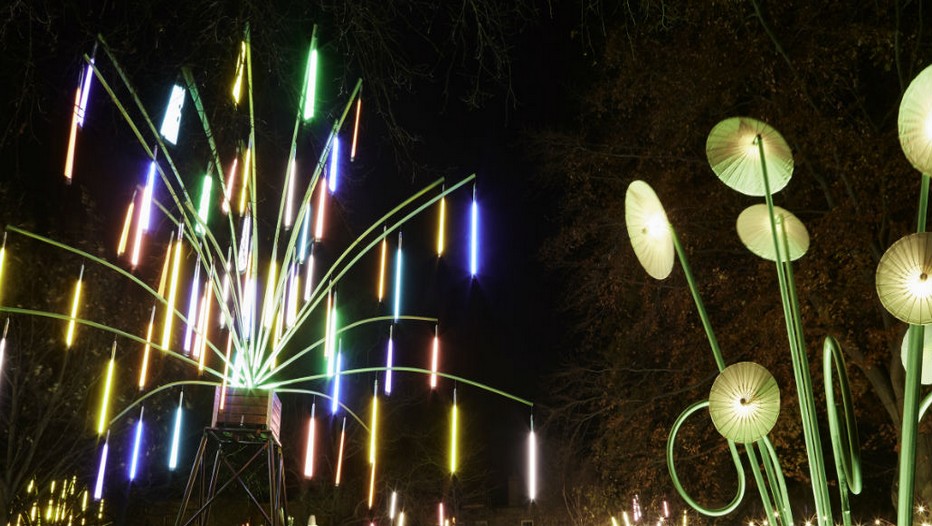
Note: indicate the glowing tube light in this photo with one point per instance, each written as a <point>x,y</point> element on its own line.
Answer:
<point>334,164</point>
<point>172,120</point>
<point>228,191</point>
<point>124,234</point>
<point>81,110</point>
<point>532,465</point>
<point>101,469</point>
<point>441,226</point>
<point>203,208</point>
<point>75,301</point>
<point>474,236</point>
<point>6,327</point>
<point>246,174</point>
<point>331,357</point>
<point>242,260</point>
<point>309,453</point>
<point>192,305</point>
<point>335,398</point>
<point>309,278</point>
<point>328,325</point>
<point>137,441</point>
<point>144,368</point>
<point>291,303</point>
<point>105,401</point>
<point>200,342</point>
<point>226,371</point>
<point>356,129</point>
<point>435,358</point>
<point>339,471</point>
<point>392,506</point>
<point>268,305</point>
<point>321,203</point>
<point>310,88</point>
<point>72,137</point>
<point>240,68</point>
<point>374,423</point>
<point>389,351</point>
<point>225,288</point>
<point>382,258</point>
<point>166,265</point>
<point>440,514</point>
<point>371,484</point>
<point>172,292</point>
<point>145,210</point>
<point>289,184</point>
<point>2,256</point>
<point>398,279</point>
<point>302,243</point>
<point>454,436</point>
<point>176,435</point>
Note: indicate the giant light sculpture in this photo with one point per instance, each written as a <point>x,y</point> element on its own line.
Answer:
<point>753,158</point>
<point>235,316</point>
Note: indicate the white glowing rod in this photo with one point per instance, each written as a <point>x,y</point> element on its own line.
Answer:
<point>240,68</point>
<point>6,327</point>
<point>176,436</point>
<point>614,521</point>
<point>246,174</point>
<point>454,436</point>
<point>225,287</point>
<point>356,129</point>
<point>127,223</point>
<point>137,441</point>
<point>192,305</point>
<point>389,352</point>
<point>435,357</point>
<point>532,465</point>
<point>145,210</point>
<point>401,518</point>
<point>244,244</point>
<point>474,236</point>
<point>292,304</point>
<point>398,279</point>
<point>339,472</point>
<point>392,505</point>
<point>81,110</point>
<point>441,226</point>
<point>200,341</point>
<point>2,256</point>
<point>309,453</point>
<point>108,383</point>
<point>335,398</point>
<point>334,164</point>
<point>329,325</point>
<point>309,278</point>
<point>203,208</point>
<point>102,467</point>
<point>227,192</point>
<point>310,87</point>
<point>321,203</point>
<point>666,509</point>
<point>72,137</point>
<point>331,357</point>
<point>75,301</point>
<point>268,305</point>
<point>172,292</point>
<point>302,243</point>
<point>440,514</point>
<point>382,258</point>
<point>172,120</point>
<point>289,183</point>
<point>226,370</point>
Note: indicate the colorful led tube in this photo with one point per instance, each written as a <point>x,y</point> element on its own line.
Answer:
<point>137,442</point>
<point>75,301</point>
<point>176,436</point>
<point>108,384</point>
<point>101,469</point>
<point>172,120</point>
<point>309,452</point>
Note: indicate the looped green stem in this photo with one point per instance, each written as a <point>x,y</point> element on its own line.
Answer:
<point>742,482</point>
<point>847,461</point>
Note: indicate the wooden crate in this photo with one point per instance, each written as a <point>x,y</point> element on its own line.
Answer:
<point>255,409</point>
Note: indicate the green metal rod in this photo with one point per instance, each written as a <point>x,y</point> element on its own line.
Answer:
<point>671,466</point>
<point>691,281</point>
<point>909,431</point>
<point>776,480</point>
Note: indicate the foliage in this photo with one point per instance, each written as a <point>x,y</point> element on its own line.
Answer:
<point>827,75</point>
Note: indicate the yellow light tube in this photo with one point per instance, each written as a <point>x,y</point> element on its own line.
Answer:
<point>124,234</point>
<point>163,277</point>
<point>339,473</point>
<point>371,485</point>
<point>172,292</point>
<point>373,425</point>
<point>143,370</point>
<point>268,305</point>
<point>246,173</point>
<point>108,383</point>
<point>454,436</point>
<point>72,137</point>
<point>75,301</point>
<point>356,129</point>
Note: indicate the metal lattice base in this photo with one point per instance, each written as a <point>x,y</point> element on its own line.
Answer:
<point>237,455</point>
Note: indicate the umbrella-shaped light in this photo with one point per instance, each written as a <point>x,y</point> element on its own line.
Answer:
<point>734,155</point>
<point>915,122</point>
<point>744,402</point>
<point>757,235</point>
<point>926,354</point>
<point>649,229</point>
<point>904,279</point>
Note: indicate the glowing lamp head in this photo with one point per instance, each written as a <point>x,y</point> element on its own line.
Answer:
<point>921,284</point>
<point>656,226</point>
